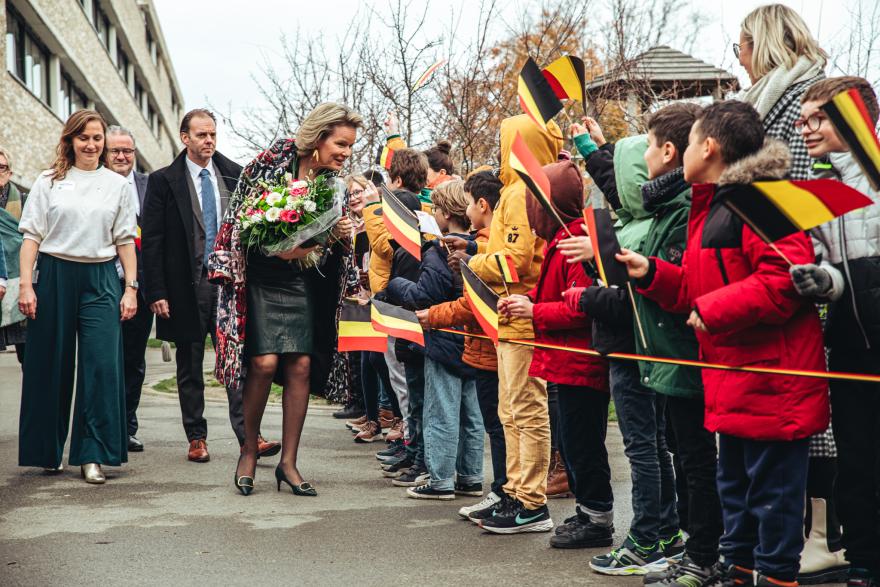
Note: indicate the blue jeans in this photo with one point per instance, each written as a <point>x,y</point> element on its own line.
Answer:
<point>762,486</point>
<point>642,421</point>
<point>453,428</point>
<point>415,384</point>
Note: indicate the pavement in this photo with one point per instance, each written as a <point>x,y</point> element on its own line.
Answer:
<point>161,520</point>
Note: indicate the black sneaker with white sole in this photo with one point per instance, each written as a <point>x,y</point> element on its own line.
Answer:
<point>519,519</point>
<point>471,489</point>
<point>502,505</point>
<point>427,492</point>
<point>397,469</point>
<point>415,476</point>
<point>686,573</point>
<point>582,533</point>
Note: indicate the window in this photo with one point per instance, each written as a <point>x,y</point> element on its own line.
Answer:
<point>101,24</point>
<point>122,62</point>
<point>152,47</point>
<point>138,93</point>
<point>70,97</point>
<point>26,58</point>
<point>153,119</point>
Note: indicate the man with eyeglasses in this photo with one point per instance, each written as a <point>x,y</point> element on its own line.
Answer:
<point>135,332</point>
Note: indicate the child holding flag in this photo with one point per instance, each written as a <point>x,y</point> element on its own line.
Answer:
<point>846,275</point>
<point>746,311</point>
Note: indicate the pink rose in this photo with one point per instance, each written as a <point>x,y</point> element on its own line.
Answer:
<point>290,216</point>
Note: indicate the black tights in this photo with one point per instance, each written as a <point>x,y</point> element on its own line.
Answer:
<point>294,404</point>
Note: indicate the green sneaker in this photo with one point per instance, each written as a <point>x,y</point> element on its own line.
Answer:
<point>630,558</point>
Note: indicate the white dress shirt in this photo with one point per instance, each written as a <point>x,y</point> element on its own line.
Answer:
<point>194,170</point>
<point>134,191</point>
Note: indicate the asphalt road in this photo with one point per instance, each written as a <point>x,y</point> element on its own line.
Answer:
<point>161,520</point>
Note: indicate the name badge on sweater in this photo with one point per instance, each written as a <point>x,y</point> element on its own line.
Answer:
<point>65,186</point>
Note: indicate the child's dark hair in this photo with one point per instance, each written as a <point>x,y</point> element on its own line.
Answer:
<point>408,199</point>
<point>824,90</point>
<point>735,125</point>
<point>438,157</point>
<point>673,124</point>
<point>374,177</point>
<point>411,167</point>
<point>484,185</point>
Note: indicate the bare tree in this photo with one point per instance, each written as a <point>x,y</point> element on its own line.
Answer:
<point>857,45</point>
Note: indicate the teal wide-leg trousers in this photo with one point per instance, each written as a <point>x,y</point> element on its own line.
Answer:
<point>77,310</point>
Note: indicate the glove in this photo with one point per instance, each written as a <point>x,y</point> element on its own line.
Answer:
<point>810,281</point>
<point>572,298</point>
<point>585,145</point>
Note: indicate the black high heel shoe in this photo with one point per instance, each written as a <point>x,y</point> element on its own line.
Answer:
<point>245,483</point>
<point>305,488</point>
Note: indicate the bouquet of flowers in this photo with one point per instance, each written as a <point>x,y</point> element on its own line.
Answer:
<point>285,214</point>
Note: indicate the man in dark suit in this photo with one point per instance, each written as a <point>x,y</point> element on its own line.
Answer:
<point>184,207</point>
<point>121,158</point>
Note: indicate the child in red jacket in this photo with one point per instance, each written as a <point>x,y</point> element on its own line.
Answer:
<point>746,311</point>
<point>582,380</point>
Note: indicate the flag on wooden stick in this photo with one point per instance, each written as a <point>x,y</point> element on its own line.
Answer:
<point>567,76</point>
<point>776,209</point>
<point>402,223</point>
<point>482,300</point>
<point>423,79</point>
<point>530,171</point>
<point>850,117</point>
<point>506,267</point>
<point>356,332</point>
<point>605,246</point>
<point>536,96</point>
<point>397,322</point>
<point>384,157</point>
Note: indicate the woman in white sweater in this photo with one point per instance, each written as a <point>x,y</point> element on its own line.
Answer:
<point>79,217</point>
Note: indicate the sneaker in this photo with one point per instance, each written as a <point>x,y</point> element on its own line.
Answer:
<point>349,412</point>
<point>502,506</point>
<point>386,418</point>
<point>385,465</point>
<point>357,422</point>
<point>764,581</point>
<point>862,578</point>
<point>673,547</point>
<point>427,492</point>
<point>471,489</point>
<point>732,576</point>
<point>390,451</point>
<point>630,558</point>
<point>397,469</point>
<point>519,519</point>
<point>686,573</point>
<point>582,533</point>
<point>369,433</point>
<point>487,502</point>
<point>415,476</point>
<point>396,432</point>
<point>566,523</point>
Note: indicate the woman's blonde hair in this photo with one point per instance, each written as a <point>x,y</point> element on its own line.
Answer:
<point>65,157</point>
<point>5,154</point>
<point>320,122</point>
<point>779,36</point>
<point>450,198</point>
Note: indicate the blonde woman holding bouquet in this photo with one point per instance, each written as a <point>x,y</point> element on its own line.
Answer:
<point>285,295</point>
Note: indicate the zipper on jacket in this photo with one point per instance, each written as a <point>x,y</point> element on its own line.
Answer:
<point>721,266</point>
<point>852,291</point>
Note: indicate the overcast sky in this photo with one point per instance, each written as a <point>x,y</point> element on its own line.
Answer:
<point>216,45</point>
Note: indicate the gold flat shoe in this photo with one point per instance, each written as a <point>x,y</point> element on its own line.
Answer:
<point>92,473</point>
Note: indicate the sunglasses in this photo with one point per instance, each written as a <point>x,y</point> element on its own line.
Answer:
<point>736,49</point>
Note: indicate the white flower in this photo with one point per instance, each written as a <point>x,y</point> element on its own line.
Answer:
<point>273,198</point>
<point>257,218</point>
<point>272,214</point>
<point>298,185</point>
<point>309,205</point>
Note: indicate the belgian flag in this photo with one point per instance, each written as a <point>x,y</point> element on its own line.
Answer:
<point>402,223</point>
<point>850,117</point>
<point>506,267</point>
<point>530,171</point>
<point>776,209</point>
<point>482,300</point>
<point>397,322</point>
<point>536,96</point>
<point>567,76</point>
<point>384,157</point>
<point>605,247</point>
<point>356,332</point>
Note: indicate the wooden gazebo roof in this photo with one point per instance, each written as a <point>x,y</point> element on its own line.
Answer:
<point>663,71</point>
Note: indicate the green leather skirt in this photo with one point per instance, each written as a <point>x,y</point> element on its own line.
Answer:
<point>279,317</point>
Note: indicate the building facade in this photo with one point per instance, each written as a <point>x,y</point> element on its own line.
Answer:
<point>65,55</point>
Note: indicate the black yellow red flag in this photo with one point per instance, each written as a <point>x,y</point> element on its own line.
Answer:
<point>482,300</point>
<point>850,117</point>
<point>384,157</point>
<point>507,267</point>
<point>402,223</point>
<point>600,226</point>
<point>776,209</point>
<point>356,332</point>
<point>397,322</point>
<point>536,96</point>
<point>567,76</point>
<point>530,171</point>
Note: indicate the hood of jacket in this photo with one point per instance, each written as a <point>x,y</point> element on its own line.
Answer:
<point>772,161</point>
<point>544,145</point>
<point>567,195</point>
<point>630,173</point>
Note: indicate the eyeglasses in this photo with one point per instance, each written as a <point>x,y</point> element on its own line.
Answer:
<point>355,193</point>
<point>126,152</point>
<point>4,168</point>
<point>736,49</point>
<point>812,122</point>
